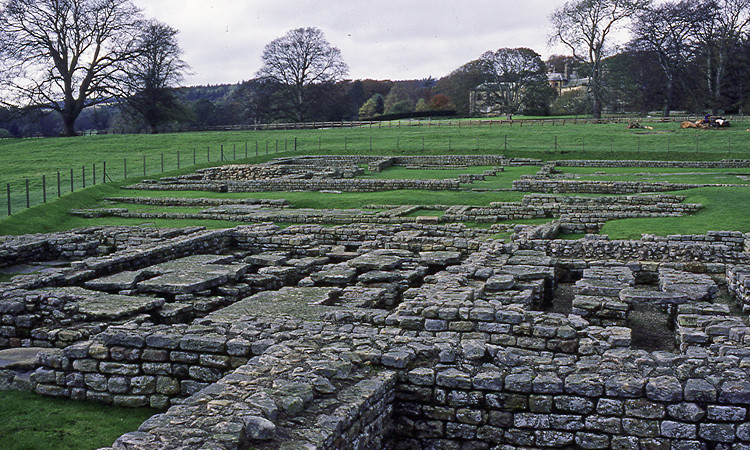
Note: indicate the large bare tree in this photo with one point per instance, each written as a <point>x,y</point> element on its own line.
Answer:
<point>66,55</point>
<point>299,59</point>
<point>721,38</point>
<point>152,75</point>
<point>586,28</point>
<point>672,32</point>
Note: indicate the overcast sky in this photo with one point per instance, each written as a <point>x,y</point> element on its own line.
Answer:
<point>380,39</point>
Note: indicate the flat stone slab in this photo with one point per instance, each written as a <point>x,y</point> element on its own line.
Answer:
<point>117,282</point>
<point>193,278</point>
<point>652,296</point>
<point>300,302</point>
<point>381,276</point>
<point>602,287</point>
<point>621,274</point>
<point>441,258</point>
<point>188,263</point>
<point>183,282</point>
<point>500,282</point>
<point>378,260</point>
<point>101,306</point>
<point>19,358</point>
<point>339,274</point>
<point>527,272</point>
<point>531,260</point>
<point>268,259</point>
<point>704,308</point>
<point>696,286</point>
<point>363,297</point>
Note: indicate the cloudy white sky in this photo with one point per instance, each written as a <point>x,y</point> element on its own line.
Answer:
<point>380,39</point>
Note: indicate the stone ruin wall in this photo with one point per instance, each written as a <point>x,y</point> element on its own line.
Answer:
<point>465,360</point>
<point>554,186</point>
<point>723,164</point>
<point>447,368</point>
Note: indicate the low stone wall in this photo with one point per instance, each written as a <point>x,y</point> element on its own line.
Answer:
<point>149,365</point>
<point>195,243</point>
<point>677,249</point>
<point>299,185</point>
<point>725,163</point>
<point>702,327</point>
<point>283,398</point>
<point>381,164</point>
<point>415,161</point>
<point>41,319</point>
<point>80,243</point>
<point>413,236</point>
<point>595,187</point>
<point>738,282</point>
<point>198,202</point>
<point>611,404</point>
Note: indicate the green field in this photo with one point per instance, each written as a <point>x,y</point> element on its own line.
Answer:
<point>34,158</point>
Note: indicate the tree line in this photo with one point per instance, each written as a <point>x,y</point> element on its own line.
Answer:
<point>70,65</point>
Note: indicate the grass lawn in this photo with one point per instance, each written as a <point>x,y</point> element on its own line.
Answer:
<point>669,174</point>
<point>725,208</point>
<point>30,421</point>
<point>34,158</point>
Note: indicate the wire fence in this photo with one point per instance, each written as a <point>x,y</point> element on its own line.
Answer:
<point>27,192</point>
<point>24,193</point>
<point>430,122</point>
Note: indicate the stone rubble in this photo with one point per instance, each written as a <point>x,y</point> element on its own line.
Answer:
<point>391,335</point>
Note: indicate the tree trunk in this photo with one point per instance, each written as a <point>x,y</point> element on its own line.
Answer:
<point>300,104</point>
<point>709,78</point>
<point>69,123</point>
<point>668,97</point>
<point>596,97</point>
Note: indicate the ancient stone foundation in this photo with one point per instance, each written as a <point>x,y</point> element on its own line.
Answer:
<point>391,336</point>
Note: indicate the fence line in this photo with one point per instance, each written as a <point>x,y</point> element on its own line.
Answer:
<point>30,194</point>
<point>457,122</point>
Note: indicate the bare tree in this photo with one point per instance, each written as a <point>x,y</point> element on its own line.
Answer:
<point>299,59</point>
<point>586,28</point>
<point>671,31</point>
<point>153,73</point>
<point>513,71</point>
<point>66,55</point>
<point>721,38</point>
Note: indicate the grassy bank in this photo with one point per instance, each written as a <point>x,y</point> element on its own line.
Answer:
<point>30,421</point>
